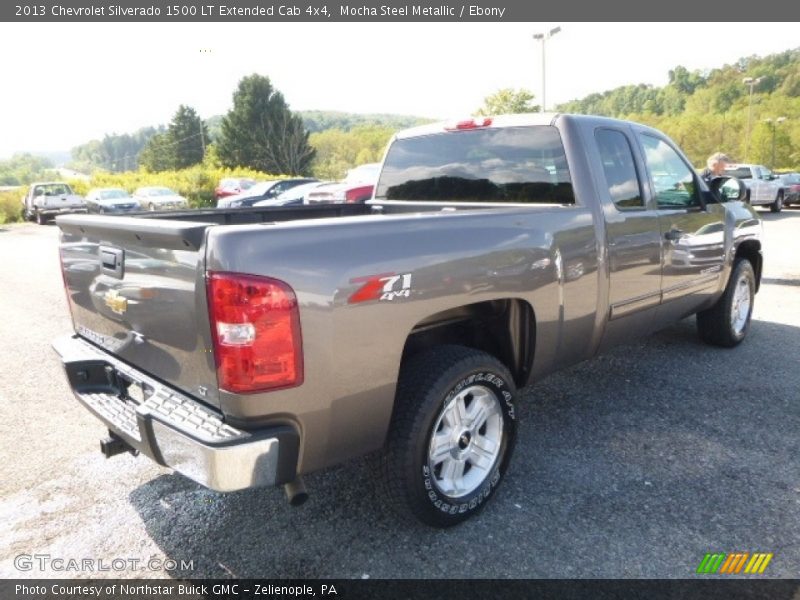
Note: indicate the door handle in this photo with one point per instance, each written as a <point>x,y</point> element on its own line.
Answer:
<point>674,234</point>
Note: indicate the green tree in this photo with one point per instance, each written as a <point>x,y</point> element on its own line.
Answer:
<point>188,136</point>
<point>156,155</point>
<point>337,150</point>
<point>508,101</point>
<point>180,146</point>
<point>260,132</point>
<point>24,168</point>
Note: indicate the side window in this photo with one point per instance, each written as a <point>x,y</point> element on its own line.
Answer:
<point>619,169</point>
<point>673,180</point>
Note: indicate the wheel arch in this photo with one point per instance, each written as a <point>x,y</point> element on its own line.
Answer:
<point>504,328</point>
<point>751,251</point>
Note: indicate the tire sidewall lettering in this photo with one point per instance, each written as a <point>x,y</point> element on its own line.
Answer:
<point>473,501</point>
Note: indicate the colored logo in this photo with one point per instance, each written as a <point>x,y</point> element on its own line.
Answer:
<point>117,303</point>
<point>746,563</point>
<point>386,286</point>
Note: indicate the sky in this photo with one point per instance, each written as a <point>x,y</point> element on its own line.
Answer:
<point>80,81</point>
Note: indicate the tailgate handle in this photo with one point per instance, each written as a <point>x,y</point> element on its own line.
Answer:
<point>113,261</point>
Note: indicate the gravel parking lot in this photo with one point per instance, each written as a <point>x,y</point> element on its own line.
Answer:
<point>634,464</point>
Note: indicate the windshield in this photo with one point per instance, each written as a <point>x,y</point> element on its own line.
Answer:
<point>159,191</point>
<point>52,189</point>
<point>739,173</point>
<point>511,164</point>
<point>112,194</point>
<point>259,188</point>
<point>299,191</point>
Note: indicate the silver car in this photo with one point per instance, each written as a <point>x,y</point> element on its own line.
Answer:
<point>159,198</point>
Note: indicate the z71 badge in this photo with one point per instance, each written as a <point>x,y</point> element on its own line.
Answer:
<point>386,286</point>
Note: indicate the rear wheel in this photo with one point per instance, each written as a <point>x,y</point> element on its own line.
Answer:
<point>452,434</point>
<point>778,204</point>
<point>728,321</point>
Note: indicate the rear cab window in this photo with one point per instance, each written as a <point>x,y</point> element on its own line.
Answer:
<point>496,165</point>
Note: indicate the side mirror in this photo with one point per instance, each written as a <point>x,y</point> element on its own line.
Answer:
<point>729,189</point>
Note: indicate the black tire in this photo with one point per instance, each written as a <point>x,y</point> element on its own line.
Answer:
<point>40,218</point>
<point>747,197</point>
<point>777,206</point>
<point>716,325</point>
<point>429,384</point>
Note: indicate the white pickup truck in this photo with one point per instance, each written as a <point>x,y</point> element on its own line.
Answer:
<point>763,186</point>
<point>47,200</point>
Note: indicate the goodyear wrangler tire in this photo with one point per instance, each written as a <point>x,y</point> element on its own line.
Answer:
<point>452,434</point>
<point>728,321</point>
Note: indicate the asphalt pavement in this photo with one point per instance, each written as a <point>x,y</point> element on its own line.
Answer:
<point>634,464</point>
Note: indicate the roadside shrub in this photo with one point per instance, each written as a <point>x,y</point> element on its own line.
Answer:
<point>11,205</point>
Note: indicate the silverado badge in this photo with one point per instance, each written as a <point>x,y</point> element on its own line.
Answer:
<point>117,303</point>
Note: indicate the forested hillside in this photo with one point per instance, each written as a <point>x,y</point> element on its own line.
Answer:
<point>709,111</point>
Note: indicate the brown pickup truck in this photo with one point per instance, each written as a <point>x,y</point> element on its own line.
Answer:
<point>247,347</point>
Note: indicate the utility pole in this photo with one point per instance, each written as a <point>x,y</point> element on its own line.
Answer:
<point>752,83</point>
<point>773,125</point>
<point>543,37</point>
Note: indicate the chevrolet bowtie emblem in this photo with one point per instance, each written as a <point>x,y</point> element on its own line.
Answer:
<point>117,303</point>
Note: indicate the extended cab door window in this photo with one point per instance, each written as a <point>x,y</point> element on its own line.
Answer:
<point>619,169</point>
<point>674,183</point>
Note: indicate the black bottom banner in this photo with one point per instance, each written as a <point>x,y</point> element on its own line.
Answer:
<point>393,589</point>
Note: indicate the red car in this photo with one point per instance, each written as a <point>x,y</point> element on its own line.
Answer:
<point>357,187</point>
<point>232,186</point>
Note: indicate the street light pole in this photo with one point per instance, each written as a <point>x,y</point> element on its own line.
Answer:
<point>773,125</point>
<point>543,37</point>
<point>752,83</point>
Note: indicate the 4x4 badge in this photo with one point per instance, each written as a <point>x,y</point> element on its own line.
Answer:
<point>386,286</point>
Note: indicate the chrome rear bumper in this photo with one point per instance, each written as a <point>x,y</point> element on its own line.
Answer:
<point>172,428</point>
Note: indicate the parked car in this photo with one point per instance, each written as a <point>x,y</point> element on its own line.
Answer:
<point>159,198</point>
<point>495,251</point>
<point>292,196</point>
<point>230,186</point>
<point>265,190</point>
<point>356,187</point>
<point>46,200</point>
<point>790,184</point>
<point>763,187</point>
<point>110,200</point>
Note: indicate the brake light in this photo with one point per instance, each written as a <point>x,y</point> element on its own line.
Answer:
<point>470,124</point>
<point>355,194</point>
<point>255,326</point>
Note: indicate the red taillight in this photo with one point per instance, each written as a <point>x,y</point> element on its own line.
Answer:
<point>470,124</point>
<point>356,194</point>
<point>255,326</point>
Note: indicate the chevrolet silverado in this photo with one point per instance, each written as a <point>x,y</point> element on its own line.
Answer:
<point>250,347</point>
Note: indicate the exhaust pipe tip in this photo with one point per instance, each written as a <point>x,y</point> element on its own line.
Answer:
<point>296,492</point>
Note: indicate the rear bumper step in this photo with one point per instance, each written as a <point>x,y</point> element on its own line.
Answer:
<point>172,428</point>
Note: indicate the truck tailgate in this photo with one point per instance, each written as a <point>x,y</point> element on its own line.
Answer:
<point>136,288</point>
